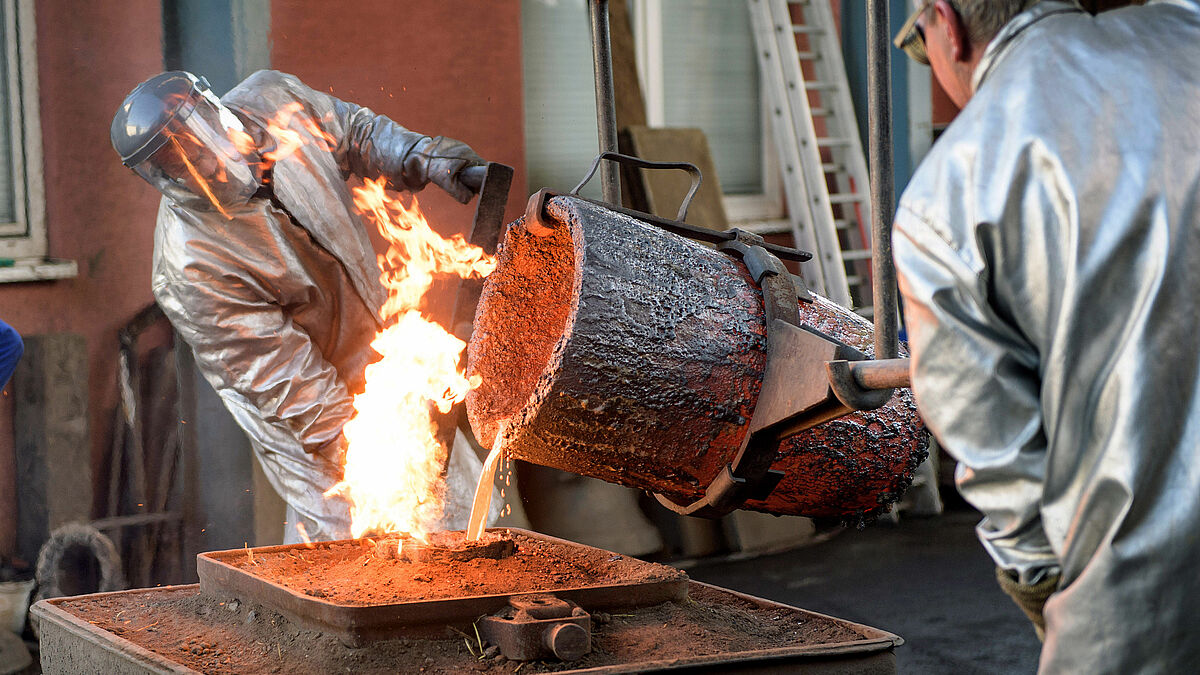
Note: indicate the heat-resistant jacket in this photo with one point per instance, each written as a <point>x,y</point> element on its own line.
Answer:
<point>1049,256</point>
<point>280,303</point>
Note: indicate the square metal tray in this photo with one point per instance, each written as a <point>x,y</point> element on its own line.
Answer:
<point>359,624</point>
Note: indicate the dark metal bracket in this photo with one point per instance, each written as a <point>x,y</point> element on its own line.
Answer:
<point>539,626</point>
<point>751,250</point>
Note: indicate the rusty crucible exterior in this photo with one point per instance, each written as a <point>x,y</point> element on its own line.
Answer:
<point>612,349</point>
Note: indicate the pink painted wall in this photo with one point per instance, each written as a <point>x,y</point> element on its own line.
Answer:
<point>97,212</point>
<point>449,68</point>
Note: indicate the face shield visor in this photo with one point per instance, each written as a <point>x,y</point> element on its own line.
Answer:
<point>202,162</point>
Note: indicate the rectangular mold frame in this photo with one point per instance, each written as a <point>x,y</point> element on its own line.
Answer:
<point>72,645</point>
<point>359,624</point>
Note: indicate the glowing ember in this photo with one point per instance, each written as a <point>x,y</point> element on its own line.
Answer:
<point>394,462</point>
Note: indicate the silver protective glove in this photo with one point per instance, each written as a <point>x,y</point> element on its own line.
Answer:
<point>444,160</point>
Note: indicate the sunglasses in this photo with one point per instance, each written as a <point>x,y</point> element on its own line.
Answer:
<point>911,37</point>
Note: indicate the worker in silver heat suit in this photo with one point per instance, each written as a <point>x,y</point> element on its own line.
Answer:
<point>262,263</point>
<point>1048,249</point>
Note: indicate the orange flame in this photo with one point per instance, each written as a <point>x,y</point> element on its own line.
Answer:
<point>287,139</point>
<point>394,462</point>
<point>303,532</point>
<point>196,176</point>
<point>243,141</point>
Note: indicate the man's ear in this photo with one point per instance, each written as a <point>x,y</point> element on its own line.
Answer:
<point>954,30</point>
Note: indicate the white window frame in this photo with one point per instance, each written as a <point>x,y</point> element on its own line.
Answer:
<point>23,243</point>
<point>743,208</point>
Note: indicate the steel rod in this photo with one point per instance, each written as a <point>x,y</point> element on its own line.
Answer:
<point>881,374</point>
<point>879,143</point>
<point>606,112</point>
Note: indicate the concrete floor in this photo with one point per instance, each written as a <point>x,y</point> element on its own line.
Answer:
<point>926,580</point>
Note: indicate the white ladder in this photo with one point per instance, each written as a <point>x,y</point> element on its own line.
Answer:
<point>816,134</point>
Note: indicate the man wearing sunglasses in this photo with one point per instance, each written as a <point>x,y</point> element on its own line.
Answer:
<point>1048,250</point>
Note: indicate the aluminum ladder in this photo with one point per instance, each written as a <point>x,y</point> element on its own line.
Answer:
<point>821,158</point>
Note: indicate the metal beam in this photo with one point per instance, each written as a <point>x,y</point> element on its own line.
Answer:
<point>879,141</point>
<point>606,115</point>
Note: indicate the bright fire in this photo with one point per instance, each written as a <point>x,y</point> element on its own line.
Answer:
<point>393,468</point>
<point>394,462</point>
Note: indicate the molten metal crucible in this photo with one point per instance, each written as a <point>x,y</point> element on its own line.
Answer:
<point>619,351</point>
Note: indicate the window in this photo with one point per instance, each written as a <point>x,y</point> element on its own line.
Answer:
<point>22,197</point>
<point>697,65</point>
<point>560,101</point>
<point>698,69</point>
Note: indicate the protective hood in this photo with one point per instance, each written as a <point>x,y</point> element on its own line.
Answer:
<point>173,132</point>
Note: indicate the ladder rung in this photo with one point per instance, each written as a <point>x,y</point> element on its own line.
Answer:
<point>846,198</point>
<point>854,280</point>
<point>799,29</point>
<point>819,112</point>
<point>843,224</point>
<point>833,168</point>
<point>832,142</point>
<point>864,254</point>
<point>820,86</point>
<point>809,56</point>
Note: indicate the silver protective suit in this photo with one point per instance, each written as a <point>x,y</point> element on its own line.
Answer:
<point>1049,256</point>
<point>280,301</point>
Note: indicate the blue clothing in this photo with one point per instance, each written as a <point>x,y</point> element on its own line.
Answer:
<point>11,349</point>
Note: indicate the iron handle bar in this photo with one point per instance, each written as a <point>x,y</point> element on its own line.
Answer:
<point>473,176</point>
<point>535,215</point>
<point>881,373</point>
<point>691,169</point>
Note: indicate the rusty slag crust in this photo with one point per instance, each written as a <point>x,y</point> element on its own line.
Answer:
<point>650,349</point>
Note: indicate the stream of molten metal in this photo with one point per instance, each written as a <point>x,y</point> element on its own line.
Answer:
<point>394,463</point>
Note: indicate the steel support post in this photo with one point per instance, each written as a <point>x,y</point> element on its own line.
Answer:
<point>879,143</point>
<point>606,115</point>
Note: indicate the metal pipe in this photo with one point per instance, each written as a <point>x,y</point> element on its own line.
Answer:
<point>879,144</point>
<point>881,374</point>
<point>606,112</point>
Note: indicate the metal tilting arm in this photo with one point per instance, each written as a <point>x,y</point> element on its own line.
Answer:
<point>809,378</point>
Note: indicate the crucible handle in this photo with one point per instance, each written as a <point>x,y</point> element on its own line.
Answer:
<point>691,169</point>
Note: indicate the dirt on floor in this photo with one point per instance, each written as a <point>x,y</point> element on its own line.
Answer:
<point>223,636</point>
<point>354,573</point>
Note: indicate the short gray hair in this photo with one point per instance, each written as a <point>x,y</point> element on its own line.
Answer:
<point>985,18</point>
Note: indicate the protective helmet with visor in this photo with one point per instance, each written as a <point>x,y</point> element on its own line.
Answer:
<point>173,132</point>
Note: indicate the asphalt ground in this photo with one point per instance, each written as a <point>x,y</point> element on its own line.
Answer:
<point>924,579</point>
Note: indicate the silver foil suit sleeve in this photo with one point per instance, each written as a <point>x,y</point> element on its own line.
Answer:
<point>977,387</point>
<point>376,146</point>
